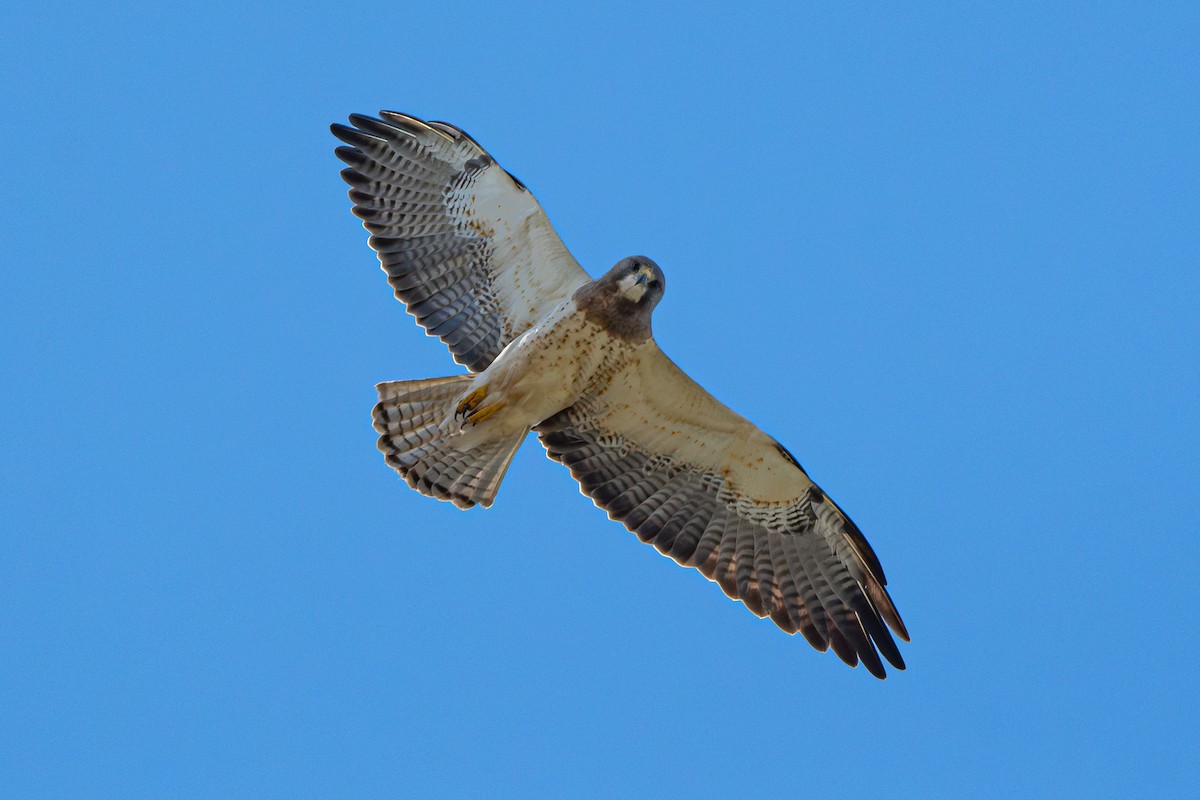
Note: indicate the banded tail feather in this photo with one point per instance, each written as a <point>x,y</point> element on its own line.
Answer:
<point>431,455</point>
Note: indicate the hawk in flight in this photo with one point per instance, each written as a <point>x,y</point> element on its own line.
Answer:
<point>474,258</point>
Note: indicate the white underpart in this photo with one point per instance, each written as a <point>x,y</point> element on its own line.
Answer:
<point>540,373</point>
<point>630,287</point>
<point>529,261</point>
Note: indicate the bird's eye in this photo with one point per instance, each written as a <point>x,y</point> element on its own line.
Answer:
<point>633,270</point>
<point>653,283</point>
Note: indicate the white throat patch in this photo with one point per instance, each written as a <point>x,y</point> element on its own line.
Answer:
<point>631,289</point>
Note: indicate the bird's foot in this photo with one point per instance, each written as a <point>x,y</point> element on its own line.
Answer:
<point>482,412</point>
<point>470,402</point>
<point>470,410</point>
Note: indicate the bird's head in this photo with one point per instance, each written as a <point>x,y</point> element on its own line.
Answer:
<point>638,280</point>
<point>622,299</point>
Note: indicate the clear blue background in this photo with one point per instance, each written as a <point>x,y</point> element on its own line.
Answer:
<point>948,255</point>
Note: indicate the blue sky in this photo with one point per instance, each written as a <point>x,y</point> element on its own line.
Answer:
<point>949,256</point>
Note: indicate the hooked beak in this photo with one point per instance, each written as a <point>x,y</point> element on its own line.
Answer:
<point>635,285</point>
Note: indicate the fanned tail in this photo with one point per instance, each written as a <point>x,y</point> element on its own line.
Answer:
<point>414,440</point>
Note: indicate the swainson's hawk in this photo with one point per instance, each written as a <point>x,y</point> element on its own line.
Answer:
<point>473,257</point>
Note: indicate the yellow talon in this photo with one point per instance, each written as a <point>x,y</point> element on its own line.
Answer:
<point>471,401</point>
<point>470,410</point>
<point>480,414</point>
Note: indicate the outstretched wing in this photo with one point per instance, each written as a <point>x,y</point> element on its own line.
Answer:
<point>465,245</point>
<point>712,491</point>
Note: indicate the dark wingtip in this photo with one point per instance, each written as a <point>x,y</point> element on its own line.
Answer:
<point>378,128</point>
<point>871,660</point>
<point>354,178</point>
<point>350,156</point>
<point>356,137</point>
<point>875,667</point>
<point>366,122</point>
<point>842,648</point>
<point>892,617</point>
<point>403,121</point>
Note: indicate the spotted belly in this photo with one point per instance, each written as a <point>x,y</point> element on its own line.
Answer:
<point>547,369</point>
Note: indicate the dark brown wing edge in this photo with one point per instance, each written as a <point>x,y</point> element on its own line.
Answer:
<point>794,576</point>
